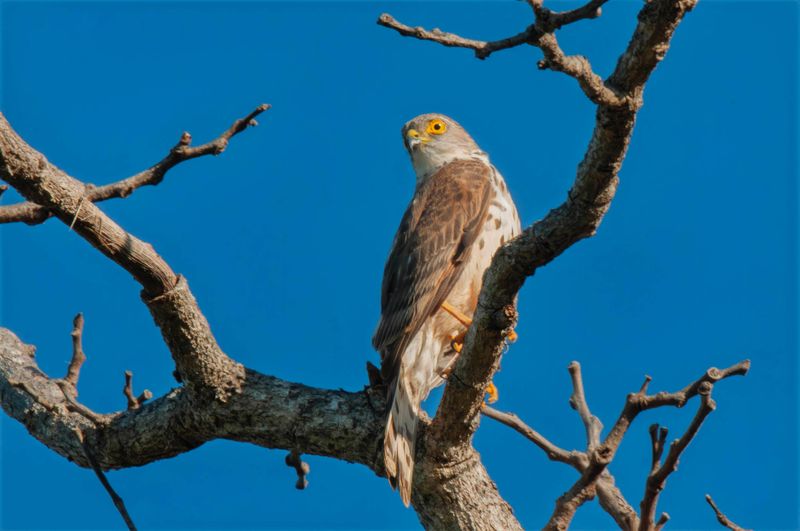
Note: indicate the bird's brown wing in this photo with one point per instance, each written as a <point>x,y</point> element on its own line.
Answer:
<point>430,249</point>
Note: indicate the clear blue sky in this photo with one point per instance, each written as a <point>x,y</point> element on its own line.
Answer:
<point>694,266</point>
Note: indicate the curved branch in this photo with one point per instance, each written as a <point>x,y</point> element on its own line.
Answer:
<point>577,218</point>
<point>198,358</point>
<point>721,518</point>
<point>33,214</point>
<point>482,49</point>
<point>268,412</point>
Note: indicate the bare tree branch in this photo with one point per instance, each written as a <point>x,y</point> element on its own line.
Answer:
<point>78,357</point>
<point>578,402</point>
<point>608,494</point>
<point>600,457</point>
<point>118,503</point>
<point>222,399</point>
<point>482,49</point>
<point>721,518</point>
<point>577,218</point>
<point>657,478</point>
<point>134,402</point>
<point>198,358</point>
<point>574,458</point>
<point>539,34</point>
<point>553,20</point>
<point>32,213</point>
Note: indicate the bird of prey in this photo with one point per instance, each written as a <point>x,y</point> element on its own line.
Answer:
<point>460,214</point>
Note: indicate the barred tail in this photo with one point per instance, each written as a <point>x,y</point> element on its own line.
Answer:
<point>399,440</point>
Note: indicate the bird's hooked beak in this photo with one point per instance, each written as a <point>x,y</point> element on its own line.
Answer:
<point>414,139</point>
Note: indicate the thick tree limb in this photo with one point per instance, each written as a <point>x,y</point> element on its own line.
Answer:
<point>577,218</point>
<point>267,411</point>
<point>32,213</point>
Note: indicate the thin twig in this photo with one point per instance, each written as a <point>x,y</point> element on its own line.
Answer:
<point>721,518</point>
<point>118,503</point>
<point>577,401</point>
<point>555,453</point>
<point>540,35</point>
<point>662,521</point>
<point>32,214</point>
<point>482,49</point>
<point>602,455</point>
<point>657,478</point>
<point>78,356</point>
<point>134,402</point>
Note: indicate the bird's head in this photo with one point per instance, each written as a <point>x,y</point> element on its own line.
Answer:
<point>433,140</point>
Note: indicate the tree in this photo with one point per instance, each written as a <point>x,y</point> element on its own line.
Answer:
<point>220,398</point>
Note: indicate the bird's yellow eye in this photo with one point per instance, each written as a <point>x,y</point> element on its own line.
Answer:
<point>436,127</point>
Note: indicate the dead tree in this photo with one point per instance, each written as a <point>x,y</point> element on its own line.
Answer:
<point>219,398</point>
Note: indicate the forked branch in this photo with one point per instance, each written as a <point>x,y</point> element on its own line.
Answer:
<point>593,463</point>
<point>33,213</point>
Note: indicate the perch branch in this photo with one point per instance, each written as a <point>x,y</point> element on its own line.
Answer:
<point>32,213</point>
<point>577,218</point>
<point>721,518</point>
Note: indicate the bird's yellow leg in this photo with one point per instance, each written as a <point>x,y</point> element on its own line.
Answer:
<point>466,321</point>
<point>456,313</point>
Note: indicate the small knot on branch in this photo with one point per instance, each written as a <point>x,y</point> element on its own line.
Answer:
<point>3,188</point>
<point>643,388</point>
<point>301,467</point>
<point>705,388</point>
<point>134,402</point>
<point>505,317</point>
<point>186,139</point>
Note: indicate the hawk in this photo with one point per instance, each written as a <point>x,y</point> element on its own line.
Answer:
<point>460,214</point>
